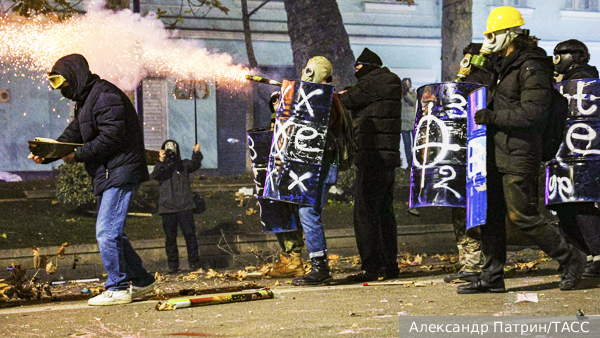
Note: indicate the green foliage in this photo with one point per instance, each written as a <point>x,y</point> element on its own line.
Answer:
<point>74,186</point>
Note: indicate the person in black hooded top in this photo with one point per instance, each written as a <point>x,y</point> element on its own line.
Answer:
<point>176,201</point>
<point>579,222</point>
<point>376,105</point>
<point>113,152</point>
<point>571,59</point>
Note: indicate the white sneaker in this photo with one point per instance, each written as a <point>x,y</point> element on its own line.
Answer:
<point>111,298</point>
<point>138,291</point>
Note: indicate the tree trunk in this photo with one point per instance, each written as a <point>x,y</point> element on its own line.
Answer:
<point>316,28</point>
<point>457,32</point>
<point>248,35</point>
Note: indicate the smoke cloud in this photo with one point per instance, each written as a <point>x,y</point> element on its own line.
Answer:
<point>122,47</point>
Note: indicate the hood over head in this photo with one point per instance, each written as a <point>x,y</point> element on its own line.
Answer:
<point>75,69</point>
<point>171,144</point>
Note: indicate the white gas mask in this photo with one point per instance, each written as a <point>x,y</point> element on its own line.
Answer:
<point>498,41</point>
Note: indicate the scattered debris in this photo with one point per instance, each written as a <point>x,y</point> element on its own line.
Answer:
<point>580,313</point>
<point>407,283</point>
<point>215,299</point>
<point>251,211</point>
<point>529,297</point>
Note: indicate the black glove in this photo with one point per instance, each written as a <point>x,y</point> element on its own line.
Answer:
<point>484,116</point>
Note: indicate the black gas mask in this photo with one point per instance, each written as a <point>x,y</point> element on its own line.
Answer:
<point>563,62</point>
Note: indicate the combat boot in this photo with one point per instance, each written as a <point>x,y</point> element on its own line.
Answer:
<point>572,271</point>
<point>289,267</point>
<point>318,275</point>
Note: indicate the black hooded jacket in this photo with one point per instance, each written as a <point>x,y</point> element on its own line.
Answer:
<point>106,123</point>
<point>376,105</point>
<point>520,100</point>
<point>582,72</point>
<point>173,175</point>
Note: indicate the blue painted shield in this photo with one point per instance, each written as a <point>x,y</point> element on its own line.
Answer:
<point>574,175</point>
<point>299,140</point>
<point>439,168</point>
<point>476,162</point>
<point>275,216</point>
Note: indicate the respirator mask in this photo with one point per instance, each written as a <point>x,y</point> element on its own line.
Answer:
<point>563,62</point>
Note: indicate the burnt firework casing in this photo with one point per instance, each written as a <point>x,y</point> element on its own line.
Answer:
<point>275,216</point>
<point>574,175</point>
<point>299,140</point>
<point>438,172</point>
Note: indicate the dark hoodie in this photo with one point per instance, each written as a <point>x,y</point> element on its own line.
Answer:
<point>173,174</point>
<point>581,72</point>
<point>520,101</point>
<point>106,123</point>
<point>376,105</point>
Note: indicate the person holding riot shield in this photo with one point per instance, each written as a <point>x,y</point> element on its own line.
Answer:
<point>516,117</point>
<point>469,248</point>
<point>319,70</point>
<point>579,221</point>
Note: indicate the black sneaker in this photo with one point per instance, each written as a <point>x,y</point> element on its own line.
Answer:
<point>592,269</point>
<point>320,274</point>
<point>461,275</point>
<point>480,286</point>
<point>573,270</point>
<point>362,277</point>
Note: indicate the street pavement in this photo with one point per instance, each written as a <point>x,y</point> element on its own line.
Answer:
<point>323,311</point>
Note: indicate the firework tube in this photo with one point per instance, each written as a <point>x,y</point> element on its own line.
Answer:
<point>263,80</point>
<point>181,303</point>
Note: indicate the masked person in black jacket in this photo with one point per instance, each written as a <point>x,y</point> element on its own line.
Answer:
<point>580,222</point>
<point>113,152</point>
<point>571,59</point>
<point>376,105</point>
<point>516,114</point>
<point>176,201</point>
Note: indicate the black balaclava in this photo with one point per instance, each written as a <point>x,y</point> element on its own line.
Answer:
<point>370,62</point>
<point>76,71</point>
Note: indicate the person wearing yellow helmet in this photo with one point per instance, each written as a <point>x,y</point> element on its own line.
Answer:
<point>518,107</point>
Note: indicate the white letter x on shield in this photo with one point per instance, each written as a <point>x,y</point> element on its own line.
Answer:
<point>305,99</point>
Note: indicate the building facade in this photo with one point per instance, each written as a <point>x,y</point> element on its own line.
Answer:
<point>407,38</point>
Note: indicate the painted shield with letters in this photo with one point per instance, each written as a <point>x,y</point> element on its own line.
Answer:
<point>439,168</point>
<point>299,139</point>
<point>476,162</point>
<point>275,216</point>
<point>574,175</point>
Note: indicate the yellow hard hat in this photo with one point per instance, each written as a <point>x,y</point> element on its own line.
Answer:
<point>502,18</point>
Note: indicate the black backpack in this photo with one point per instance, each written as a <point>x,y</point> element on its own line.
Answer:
<point>556,120</point>
<point>345,144</point>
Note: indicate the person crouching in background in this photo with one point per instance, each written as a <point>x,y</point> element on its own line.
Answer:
<point>176,201</point>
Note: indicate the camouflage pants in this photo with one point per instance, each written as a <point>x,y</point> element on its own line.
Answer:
<point>469,249</point>
<point>290,241</point>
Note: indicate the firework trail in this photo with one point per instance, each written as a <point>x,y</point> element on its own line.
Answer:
<point>122,47</point>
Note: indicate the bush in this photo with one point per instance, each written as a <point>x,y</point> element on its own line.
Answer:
<point>74,186</point>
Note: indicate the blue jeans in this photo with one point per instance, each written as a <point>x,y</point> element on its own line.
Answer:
<point>310,216</point>
<point>121,263</point>
<point>407,140</point>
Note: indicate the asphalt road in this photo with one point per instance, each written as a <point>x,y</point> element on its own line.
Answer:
<point>325,311</point>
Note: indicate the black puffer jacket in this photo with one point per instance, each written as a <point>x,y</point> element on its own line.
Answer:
<point>108,126</point>
<point>581,72</point>
<point>520,102</point>
<point>376,105</point>
<point>174,177</point>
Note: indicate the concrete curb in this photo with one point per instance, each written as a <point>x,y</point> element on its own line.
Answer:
<point>229,250</point>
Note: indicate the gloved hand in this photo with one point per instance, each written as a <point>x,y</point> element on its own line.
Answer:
<point>484,116</point>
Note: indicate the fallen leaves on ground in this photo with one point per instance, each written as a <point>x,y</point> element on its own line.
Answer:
<point>251,211</point>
